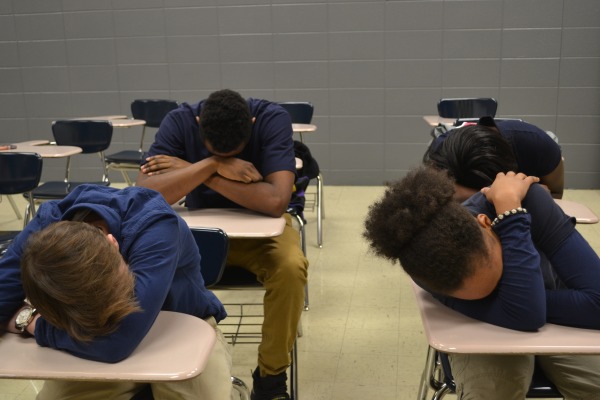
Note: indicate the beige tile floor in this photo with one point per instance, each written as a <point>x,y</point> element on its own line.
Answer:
<point>362,337</point>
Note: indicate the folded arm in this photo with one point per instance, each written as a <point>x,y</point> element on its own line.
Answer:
<point>555,180</point>
<point>271,196</point>
<point>519,300</point>
<point>174,178</point>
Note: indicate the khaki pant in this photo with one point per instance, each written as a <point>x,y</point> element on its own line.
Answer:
<point>214,383</point>
<point>507,377</point>
<point>281,267</point>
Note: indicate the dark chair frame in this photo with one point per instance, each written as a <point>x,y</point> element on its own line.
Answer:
<point>237,278</point>
<point>459,108</point>
<point>153,111</point>
<point>301,112</point>
<point>213,245</point>
<point>91,137</point>
<point>19,173</point>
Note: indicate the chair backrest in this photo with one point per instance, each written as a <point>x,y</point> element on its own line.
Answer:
<point>300,111</point>
<point>19,172</point>
<point>91,136</point>
<point>152,111</point>
<point>467,107</point>
<point>213,244</point>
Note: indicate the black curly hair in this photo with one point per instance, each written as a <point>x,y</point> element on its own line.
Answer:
<point>418,223</point>
<point>473,155</point>
<point>225,121</point>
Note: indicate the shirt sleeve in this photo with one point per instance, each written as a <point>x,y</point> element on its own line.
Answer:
<point>577,303</point>
<point>518,302</point>
<point>537,153</point>
<point>170,137</point>
<point>276,152</point>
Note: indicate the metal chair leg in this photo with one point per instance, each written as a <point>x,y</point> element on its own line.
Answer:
<point>302,229</point>
<point>14,206</point>
<point>240,387</point>
<point>430,377</point>
<point>439,394</point>
<point>294,373</point>
<point>320,215</point>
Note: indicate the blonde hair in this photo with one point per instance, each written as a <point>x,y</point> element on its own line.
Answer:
<point>77,280</point>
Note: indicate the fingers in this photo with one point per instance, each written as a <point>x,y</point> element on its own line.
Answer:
<point>518,175</point>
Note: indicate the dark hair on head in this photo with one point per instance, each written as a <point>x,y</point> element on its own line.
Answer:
<point>473,155</point>
<point>418,223</point>
<point>225,121</point>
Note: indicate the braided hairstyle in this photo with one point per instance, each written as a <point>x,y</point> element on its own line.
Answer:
<point>417,223</point>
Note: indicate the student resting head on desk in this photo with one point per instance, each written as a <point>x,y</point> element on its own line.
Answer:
<point>475,153</point>
<point>508,256</point>
<point>97,267</point>
<point>227,151</point>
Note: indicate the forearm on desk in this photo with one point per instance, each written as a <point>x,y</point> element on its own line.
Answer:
<point>270,197</point>
<point>175,184</point>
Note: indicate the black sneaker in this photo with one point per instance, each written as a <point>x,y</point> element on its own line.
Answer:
<point>270,387</point>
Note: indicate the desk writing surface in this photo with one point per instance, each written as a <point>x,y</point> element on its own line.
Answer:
<point>117,121</point>
<point>582,213</point>
<point>435,120</point>
<point>303,128</point>
<point>236,222</point>
<point>101,117</point>
<point>127,122</point>
<point>177,347</point>
<point>46,151</point>
<point>33,142</point>
<point>451,332</point>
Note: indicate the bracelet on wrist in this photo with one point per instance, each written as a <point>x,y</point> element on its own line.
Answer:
<point>505,214</point>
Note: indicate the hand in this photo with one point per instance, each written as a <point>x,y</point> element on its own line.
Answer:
<point>508,190</point>
<point>161,164</point>
<point>239,170</point>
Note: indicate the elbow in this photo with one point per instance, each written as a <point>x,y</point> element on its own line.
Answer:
<point>532,326</point>
<point>557,194</point>
<point>279,208</point>
<point>275,207</point>
<point>531,323</point>
<point>117,358</point>
<point>276,213</point>
<point>113,356</point>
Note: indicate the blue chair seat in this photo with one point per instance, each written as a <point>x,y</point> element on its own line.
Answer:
<point>125,156</point>
<point>58,190</point>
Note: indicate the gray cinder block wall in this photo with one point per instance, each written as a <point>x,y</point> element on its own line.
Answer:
<point>372,68</point>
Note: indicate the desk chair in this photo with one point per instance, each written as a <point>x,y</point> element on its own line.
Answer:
<point>236,278</point>
<point>463,110</point>
<point>449,331</point>
<point>91,137</point>
<point>214,245</point>
<point>458,108</point>
<point>151,111</point>
<point>19,173</point>
<point>301,113</point>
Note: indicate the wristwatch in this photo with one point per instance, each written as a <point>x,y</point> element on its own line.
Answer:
<point>25,317</point>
